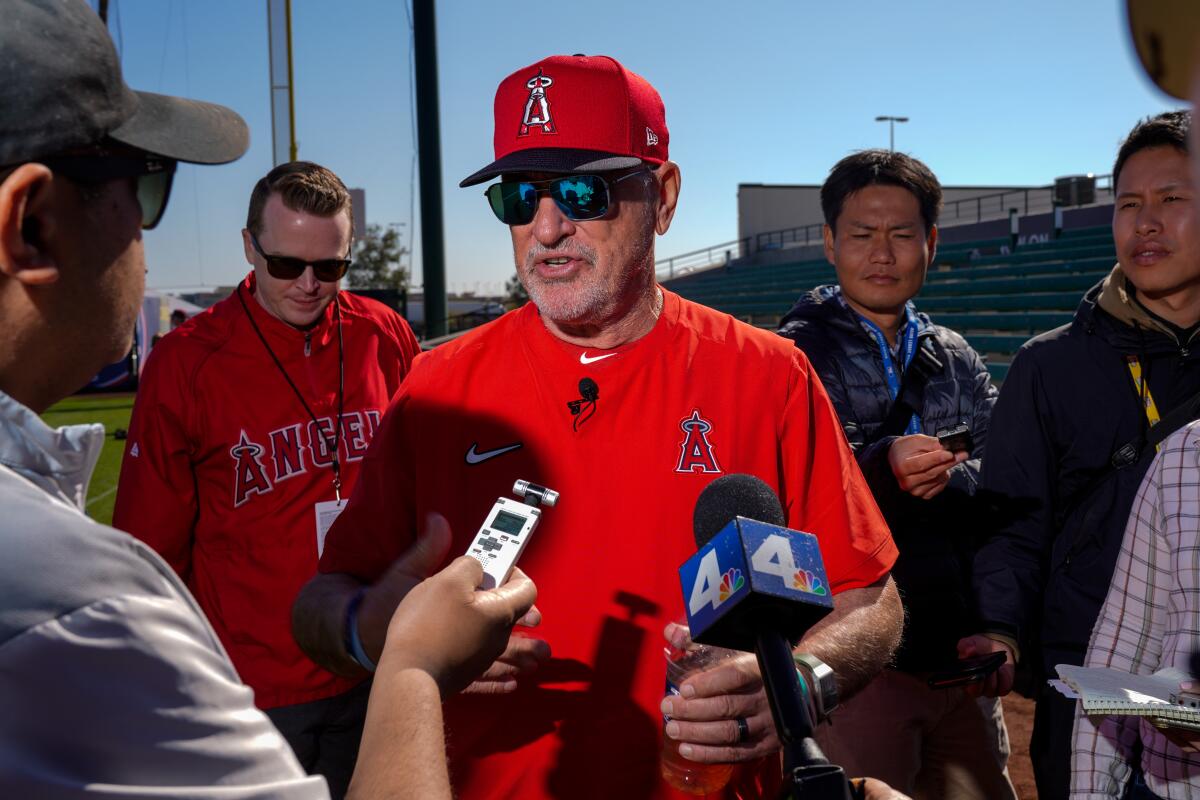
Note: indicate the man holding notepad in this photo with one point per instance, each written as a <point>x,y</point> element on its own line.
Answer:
<point>1150,621</point>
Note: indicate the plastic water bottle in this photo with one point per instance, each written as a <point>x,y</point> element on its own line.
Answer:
<point>684,659</point>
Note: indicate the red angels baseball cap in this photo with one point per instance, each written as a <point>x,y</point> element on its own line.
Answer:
<point>573,114</point>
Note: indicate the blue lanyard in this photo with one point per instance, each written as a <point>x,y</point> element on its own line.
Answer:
<point>907,350</point>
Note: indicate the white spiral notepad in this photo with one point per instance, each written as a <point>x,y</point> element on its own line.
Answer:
<point>1110,692</point>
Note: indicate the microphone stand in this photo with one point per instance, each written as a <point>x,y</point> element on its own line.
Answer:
<point>807,774</point>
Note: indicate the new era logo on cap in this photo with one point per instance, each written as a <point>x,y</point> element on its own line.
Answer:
<point>575,114</point>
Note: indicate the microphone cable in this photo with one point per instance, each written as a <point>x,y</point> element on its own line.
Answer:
<point>585,407</point>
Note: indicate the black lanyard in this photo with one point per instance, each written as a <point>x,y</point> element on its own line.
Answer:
<point>337,425</point>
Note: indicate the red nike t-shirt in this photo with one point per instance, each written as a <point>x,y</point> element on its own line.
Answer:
<point>701,395</point>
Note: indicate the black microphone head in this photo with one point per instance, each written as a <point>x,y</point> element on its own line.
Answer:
<point>734,496</point>
<point>589,390</point>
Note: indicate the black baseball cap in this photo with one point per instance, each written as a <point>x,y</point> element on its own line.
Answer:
<point>1166,36</point>
<point>61,88</point>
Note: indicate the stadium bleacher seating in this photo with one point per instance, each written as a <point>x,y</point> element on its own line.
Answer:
<point>997,300</point>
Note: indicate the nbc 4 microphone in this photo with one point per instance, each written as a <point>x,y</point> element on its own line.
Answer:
<point>758,586</point>
<point>750,570</point>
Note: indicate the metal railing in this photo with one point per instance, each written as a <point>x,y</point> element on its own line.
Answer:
<point>717,255</point>
<point>801,236</point>
<point>1033,200</point>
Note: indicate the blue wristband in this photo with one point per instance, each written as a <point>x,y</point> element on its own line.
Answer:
<point>352,642</point>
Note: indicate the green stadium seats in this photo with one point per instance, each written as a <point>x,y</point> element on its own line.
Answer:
<point>996,300</point>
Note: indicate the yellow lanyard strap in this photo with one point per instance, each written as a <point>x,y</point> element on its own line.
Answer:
<point>1135,371</point>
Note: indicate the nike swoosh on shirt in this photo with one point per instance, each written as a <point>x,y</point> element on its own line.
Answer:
<point>584,358</point>
<point>474,457</point>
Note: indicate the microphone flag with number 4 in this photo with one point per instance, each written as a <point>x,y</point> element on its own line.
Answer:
<point>750,574</point>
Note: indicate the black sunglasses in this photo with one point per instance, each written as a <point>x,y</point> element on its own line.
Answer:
<point>580,197</point>
<point>289,268</point>
<point>154,177</point>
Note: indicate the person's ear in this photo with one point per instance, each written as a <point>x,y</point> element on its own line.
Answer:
<point>668,195</point>
<point>248,247</point>
<point>829,239</point>
<point>27,216</point>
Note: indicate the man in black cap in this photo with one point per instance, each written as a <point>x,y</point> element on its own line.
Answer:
<point>111,680</point>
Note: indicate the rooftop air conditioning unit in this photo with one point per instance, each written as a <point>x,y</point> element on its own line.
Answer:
<point>1075,190</point>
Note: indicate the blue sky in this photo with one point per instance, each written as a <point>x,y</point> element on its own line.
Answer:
<point>762,91</point>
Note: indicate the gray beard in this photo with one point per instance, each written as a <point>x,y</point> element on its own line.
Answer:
<point>587,299</point>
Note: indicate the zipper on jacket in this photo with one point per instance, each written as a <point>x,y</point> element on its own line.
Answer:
<point>308,343</point>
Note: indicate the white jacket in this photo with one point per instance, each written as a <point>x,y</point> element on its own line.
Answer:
<point>112,683</point>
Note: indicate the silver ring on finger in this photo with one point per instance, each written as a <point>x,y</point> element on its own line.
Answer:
<point>743,728</point>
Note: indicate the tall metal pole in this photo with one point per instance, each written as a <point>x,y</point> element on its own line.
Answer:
<point>283,98</point>
<point>891,121</point>
<point>433,246</point>
<point>291,84</point>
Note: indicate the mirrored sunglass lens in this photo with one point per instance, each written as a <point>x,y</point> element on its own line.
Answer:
<point>495,198</point>
<point>513,203</point>
<point>520,202</point>
<point>582,196</point>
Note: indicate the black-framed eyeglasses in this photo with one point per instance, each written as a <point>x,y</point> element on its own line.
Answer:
<point>579,197</point>
<point>289,268</point>
<point>154,177</point>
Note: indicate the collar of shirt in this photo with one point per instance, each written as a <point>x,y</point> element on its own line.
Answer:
<point>282,336</point>
<point>551,350</point>
<point>910,315</point>
<point>58,460</point>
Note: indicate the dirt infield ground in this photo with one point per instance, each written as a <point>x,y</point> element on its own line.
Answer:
<point>1018,716</point>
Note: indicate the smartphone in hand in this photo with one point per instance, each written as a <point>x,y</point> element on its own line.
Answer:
<point>966,670</point>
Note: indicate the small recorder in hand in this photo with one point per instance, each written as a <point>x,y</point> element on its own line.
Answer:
<point>506,531</point>
<point>957,438</point>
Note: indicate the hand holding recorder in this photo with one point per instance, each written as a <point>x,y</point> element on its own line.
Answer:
<point>922,463</point>
<point>449,629</point>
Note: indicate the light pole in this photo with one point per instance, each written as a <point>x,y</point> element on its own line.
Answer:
<point>396,226</point>
<point>891,121</point>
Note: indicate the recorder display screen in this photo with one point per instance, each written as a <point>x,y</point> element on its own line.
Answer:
<point>507,523</point>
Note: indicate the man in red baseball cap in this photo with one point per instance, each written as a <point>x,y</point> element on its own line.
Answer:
<point>628,400</point>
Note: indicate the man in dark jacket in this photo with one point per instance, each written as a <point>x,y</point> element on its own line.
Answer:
<point>1067,434</point>
<point>870,346</point>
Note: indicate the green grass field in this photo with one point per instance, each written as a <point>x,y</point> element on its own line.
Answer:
<point>113,410</point>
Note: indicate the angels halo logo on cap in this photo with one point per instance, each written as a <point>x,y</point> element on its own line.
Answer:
<point>537,107</point>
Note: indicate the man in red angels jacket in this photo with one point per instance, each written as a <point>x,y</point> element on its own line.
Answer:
<point>247,436</point>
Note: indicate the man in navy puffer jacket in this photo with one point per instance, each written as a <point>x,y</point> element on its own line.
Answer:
<point>869,344</point>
